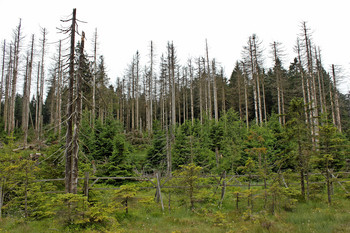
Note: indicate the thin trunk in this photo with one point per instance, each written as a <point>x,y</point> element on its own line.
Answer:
<point>200,91</point>
<point>14,77</point>
<point>37,101</point>
<point>302,82</point>
<point>137,90</point>
<point>223,92</point>
<point>245,79</point>
<point>42,78</point>
<point>69,132</point>
<point>2,73</point>
<point>151,87</point>
<point>277,72</point>
<point>216,111</point>
<point>322,85</point>
<point>94,81</point>
<point>209,82</point>
<point>77,118</point>
<point>26,111</point>
<point>58,92</point>
<point>336,99</point>
<point>191,91</point>
<point>172,75</point>
<point>257,81</point>
<point>7,92</point>
<point>319,82</point>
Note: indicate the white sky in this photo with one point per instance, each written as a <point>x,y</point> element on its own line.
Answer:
<point>125,26</point>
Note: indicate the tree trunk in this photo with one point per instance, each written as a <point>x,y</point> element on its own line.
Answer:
<point>69,133</point>
<point>77,117</point>
<point>94,81</point>
<point>2,73</point>
<point>336,98</point>
<point>216,111</point>
<point>200,91</point>
<point>14,77</point>
<point>42,80</point>
<point>209,82</point>
<point>7,92</point>
<point>26,97</point>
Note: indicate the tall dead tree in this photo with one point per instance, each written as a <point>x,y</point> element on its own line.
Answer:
<point>77,117</point>
<point>69,133</point>
<point>2,72</point>
<point>7,91</point>
<point>279,80</point>
<point>26,93</point>
<point>209,80</point>
<point>302,73</point>
<point>16,56</point>
<point>40,98</point>
<point>246,82</point>
<point>59,85</point>
<point>336,100</point>
<point>200,82</point>
<point>150,94</point>
<point>137,78</point>
<point>190,67</point>
<point>251,67</point>
<point>94,82</point>
<point>215,92</point>
<point>311,83</point>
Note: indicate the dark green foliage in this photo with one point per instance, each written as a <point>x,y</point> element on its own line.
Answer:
<point>156,154</point>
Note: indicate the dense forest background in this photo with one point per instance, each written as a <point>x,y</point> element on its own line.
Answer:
<point>290,117</point>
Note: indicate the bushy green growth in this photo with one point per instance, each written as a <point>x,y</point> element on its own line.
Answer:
<point>124,194</point>
<point>188,177</point>
<point>74,211</point>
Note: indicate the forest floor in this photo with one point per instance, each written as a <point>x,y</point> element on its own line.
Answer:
<point>306,217</point>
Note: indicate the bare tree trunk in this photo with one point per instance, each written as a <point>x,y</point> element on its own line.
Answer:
<point>14,77</point>
<point>58,95</point>
<point>322,84</point>
<point>37,101</point>
<point>26,96</point>
<point>133,95</point>
<point>209,82</point>
<point>257,74</point>
<point>300,66</point>
<point>223,92</point>
<point>2,74</point>
<point>151,87</point>
<point>277,72</point>
<point>94,81</point>
<point>336,100</point>
<point>7,92</point>
<point>245,77</point>
<point>332,104</point>
<point>77,117</point>
<point>319,82</point>
<point>137,89</point>
<point>191,90</point>
<point>41,94</point>
<point>216,111</point>
<point>69,133</point>
<point>200,91</point>
<point>172,76</point>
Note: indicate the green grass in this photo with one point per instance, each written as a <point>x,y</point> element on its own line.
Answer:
<point>311,216</point>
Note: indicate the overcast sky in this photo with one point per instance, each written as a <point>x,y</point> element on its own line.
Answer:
<point>125,26</point>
